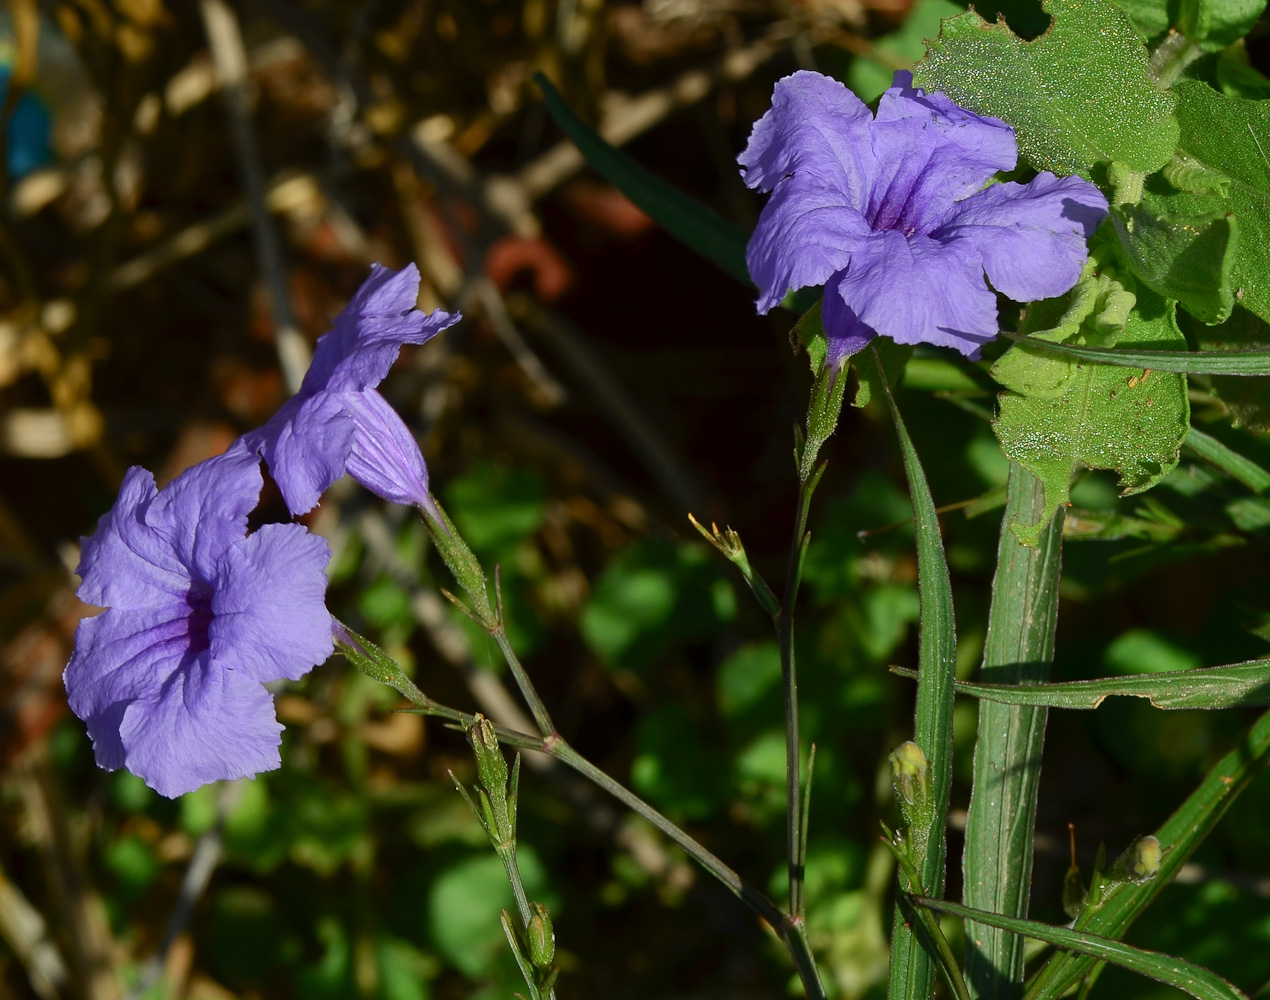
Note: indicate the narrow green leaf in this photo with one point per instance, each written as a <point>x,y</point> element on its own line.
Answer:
<point>1228,460</point>
<point>912,967</point>
<point>1239,684</point>
<point>1103,419</point>
<point>1076,96</point>
<point>1193,979</point>
<point>1247,399</point>
<point>1246,363</point>
<point>1000,824</point>
<point>1229,138</point>
<point>1185,259</point>
<point>1180,835</point>
<point>700,228</point>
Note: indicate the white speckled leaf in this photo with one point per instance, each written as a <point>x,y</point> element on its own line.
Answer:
<point>1106,418</point>
<point>1076,96</point>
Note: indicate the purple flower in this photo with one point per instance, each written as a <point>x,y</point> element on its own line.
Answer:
<point>891,215</point>
<point>338,422</point>
<point>200,614</point>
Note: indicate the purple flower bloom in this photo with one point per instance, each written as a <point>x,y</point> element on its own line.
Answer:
<point>338,422</point>
<point>891,215</point>
<point>201,614</point>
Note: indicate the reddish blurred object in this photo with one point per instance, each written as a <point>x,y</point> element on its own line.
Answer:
<point>603,208</point>
<point>32,698</point>
<point>511,256</point>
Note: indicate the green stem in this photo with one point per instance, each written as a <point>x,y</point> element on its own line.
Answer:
<point>784,623</point>
<point>542,718</point>
<point>997,862</point>
<point>791,933</point>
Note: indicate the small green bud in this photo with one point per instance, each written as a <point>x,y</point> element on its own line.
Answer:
<point>462,562</point>
<point>822,413</point>
<point>491,768</point>
<point>541,936</point>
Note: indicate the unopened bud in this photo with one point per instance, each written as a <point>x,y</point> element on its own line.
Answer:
<point>491,768</point>
<point>541,937</point>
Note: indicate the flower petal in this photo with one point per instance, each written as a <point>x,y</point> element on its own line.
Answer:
<point>812,150</point>
<point>805,233</point>
<point>205,724</point>
<point>203,511</point>
<point>307,444</point>
<point>1032,237</point>
<point>385,456</point>
<point>120,656</point>
<point>843,329</point>
<point>270,619</point>
<point>930,153</point>
<point>815,126</point>
<point>369,332</point>
<point>916,290</point>
<point>125,564</point>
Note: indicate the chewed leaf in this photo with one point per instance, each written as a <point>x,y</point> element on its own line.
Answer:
<point>1078,95</point>
<point>1133,422</point>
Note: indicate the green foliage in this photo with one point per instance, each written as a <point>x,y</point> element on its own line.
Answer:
<point>1248,399</point>
<point>653,594</point>
<point>496,507</point>
<point>1078,96</point>
<point>1188,259</point>
<point>464,904</point>
<point>1105,418</point>
<point>1226,137</point>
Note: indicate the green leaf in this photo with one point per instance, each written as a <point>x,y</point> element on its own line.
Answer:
<point>893,356</point>
<point>1150,17</point>
<point>1105,419</point>
<point>1228,460</point>
<point>1241,363</point>
<point>1180,835</point>
<point>1240,684</point>
<point>1216,24</point>
<point>1193,979</point>
<point>1229,137</point>
<point>1184,259</point>
<point>912,968</point>
<point>496,507</point>
<point>1077,96</point>
<point>700,228</point>
<point>1001,819</point>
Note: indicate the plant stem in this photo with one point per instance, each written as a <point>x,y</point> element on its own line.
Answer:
<point>542,718</point>
<point>784,624</point>
<point>1019,648</point>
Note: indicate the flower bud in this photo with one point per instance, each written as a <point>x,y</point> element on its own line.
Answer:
<point>491,768</point>
<point>910,774</point>
<point>541,936</point>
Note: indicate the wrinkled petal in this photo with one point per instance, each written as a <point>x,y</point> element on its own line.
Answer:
<point>930,153</point>
<point>803,237</point>
<point>844,331</point>
<point>118,657</point>
<point>385,456</point>
<point>367,336</point>
<point>916,290</point>
<point>126,564</point>
<point>204,724</point>
<point>203,511</point>
<point>307,444</point>
<point>815,127</point>
<point>269,612</point>
<point>1031,237</point>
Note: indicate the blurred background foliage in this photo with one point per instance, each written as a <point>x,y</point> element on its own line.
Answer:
<point>603,384</point>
